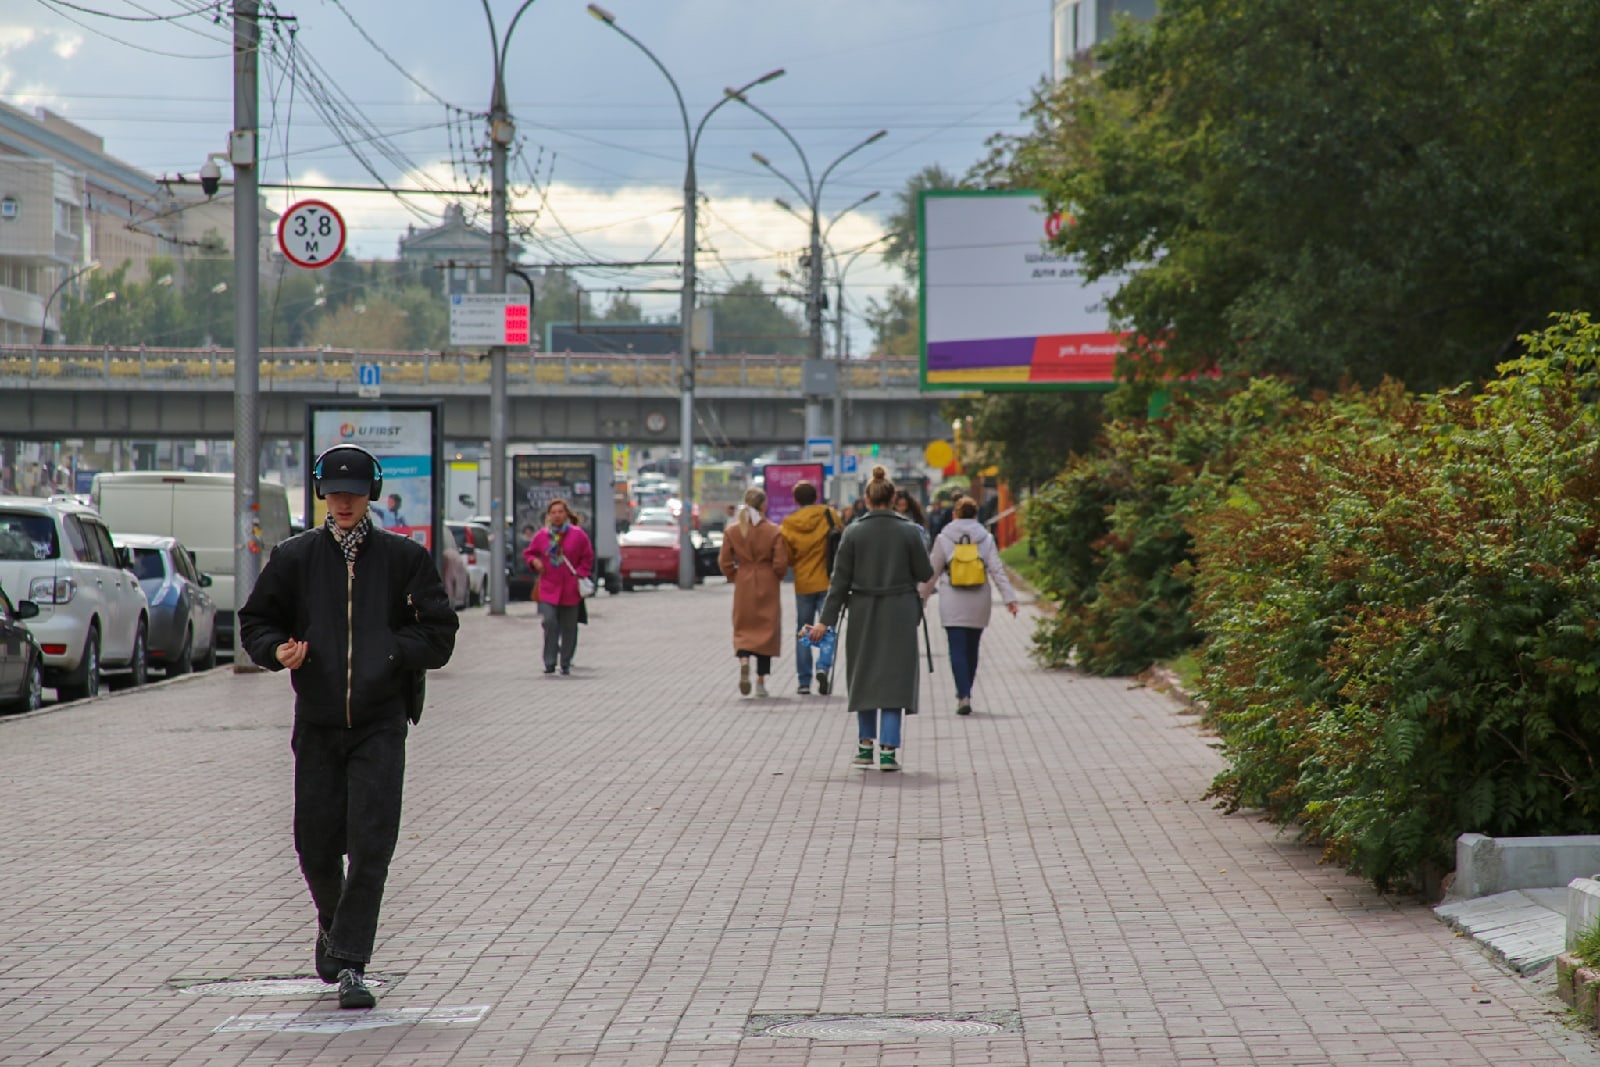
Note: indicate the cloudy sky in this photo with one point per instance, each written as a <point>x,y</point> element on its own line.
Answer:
<point>369,90</point>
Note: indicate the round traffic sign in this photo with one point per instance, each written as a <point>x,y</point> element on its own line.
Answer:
<point>939,454</point>
<point>311,234</point>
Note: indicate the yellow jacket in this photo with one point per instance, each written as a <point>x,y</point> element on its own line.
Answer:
<point>805,535</point>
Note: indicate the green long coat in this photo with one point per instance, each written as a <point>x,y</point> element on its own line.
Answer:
<point>880,563</point>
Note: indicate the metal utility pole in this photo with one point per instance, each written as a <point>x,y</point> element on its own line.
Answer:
<point>691,198</point>
<point>246,294</point>
<point>502,131</point>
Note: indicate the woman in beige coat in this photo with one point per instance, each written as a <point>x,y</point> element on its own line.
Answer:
<point>754,560</point>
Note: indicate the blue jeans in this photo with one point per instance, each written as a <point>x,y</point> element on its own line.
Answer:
<point>963,657</point>
<point>868,723</point>
<point>807,606</point>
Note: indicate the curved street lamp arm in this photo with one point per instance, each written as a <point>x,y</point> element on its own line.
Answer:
<point>811,197</point>
<point>880,135</point>
<point>729,96</point>
<point>505,47</point>
<point>805,198</point>
<point>865,199</point>
<point>683,110</point>
<point>498,94</point>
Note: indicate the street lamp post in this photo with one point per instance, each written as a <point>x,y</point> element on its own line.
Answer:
<point>691,138</point>
<point>812,195</point>
<point>44,320</point>
<point>501,133</point>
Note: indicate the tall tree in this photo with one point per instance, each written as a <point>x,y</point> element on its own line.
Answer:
<point>900,247</point>
<point>746,318</point>
<point>1342,188</point>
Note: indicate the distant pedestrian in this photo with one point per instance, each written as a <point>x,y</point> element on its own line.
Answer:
<point>880,565</point>
<point>356,614</point>
<point>939,515</point>
<point>805,537</point>
<point>754,559</point>
<point>858,510</point>
<point>559,554</point>
<point>906,506</point>
<point>966,562</point>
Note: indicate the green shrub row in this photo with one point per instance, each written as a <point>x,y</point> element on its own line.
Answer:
<point>1398,599</point>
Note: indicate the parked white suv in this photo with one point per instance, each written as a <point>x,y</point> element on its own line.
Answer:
<point>93,617</point>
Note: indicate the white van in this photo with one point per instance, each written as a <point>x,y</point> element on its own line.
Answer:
<point>197,509</point>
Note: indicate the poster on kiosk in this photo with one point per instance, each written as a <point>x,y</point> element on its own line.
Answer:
<point>408,441</point>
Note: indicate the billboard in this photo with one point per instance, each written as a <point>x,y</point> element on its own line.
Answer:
<point>1000,310</point>
<point>779,480</point>
<point>408,440</point>
<point>536,480</point>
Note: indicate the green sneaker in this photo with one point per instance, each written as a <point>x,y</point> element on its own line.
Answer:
<point>886,760</point>
<point>863,756</point>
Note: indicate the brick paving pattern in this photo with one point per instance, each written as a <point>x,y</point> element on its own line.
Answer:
<point>624,866</point>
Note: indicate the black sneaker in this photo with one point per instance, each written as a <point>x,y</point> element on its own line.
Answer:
<point>965,707</point>
<point>327,966</point>
<point>803,691</point>
<point>353,991</point>
<point>824,685</point>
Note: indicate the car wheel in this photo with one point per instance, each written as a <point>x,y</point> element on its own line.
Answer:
<point>33,693</point>
<point>209,660</point>
<point>138,664</point>
<point>84,682</point>
<point>183,663</point>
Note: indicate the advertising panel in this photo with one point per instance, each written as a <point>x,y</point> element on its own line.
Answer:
<point>408,440</point>
<point>1000,310</point>
<point>779,480</point>
<point>538,479</point>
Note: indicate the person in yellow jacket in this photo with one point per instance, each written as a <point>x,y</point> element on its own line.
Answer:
<point>805,535</point>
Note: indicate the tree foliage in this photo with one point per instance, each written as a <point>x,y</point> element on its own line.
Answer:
<point>749,319</point>
<point>1335,189</point>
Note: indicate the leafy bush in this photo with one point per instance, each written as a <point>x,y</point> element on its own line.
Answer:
<point>1111,529</point>
<point>1402,601</point>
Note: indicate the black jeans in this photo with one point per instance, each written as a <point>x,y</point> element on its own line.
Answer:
<point>763,663</point>
<point>560,633</point>
<point>347,790</point>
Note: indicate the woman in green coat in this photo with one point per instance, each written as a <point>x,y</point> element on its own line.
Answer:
<point>880,564</point>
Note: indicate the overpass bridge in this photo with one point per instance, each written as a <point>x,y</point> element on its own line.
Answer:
<point>56,393</point>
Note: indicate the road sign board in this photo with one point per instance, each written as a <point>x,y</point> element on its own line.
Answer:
<point>848,463</point>
<point>311,234</point>
<point>820,450</point>
<point>490,319</point>
<point>369,380</point>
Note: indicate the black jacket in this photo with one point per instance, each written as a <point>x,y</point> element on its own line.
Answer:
<point>371,634</point>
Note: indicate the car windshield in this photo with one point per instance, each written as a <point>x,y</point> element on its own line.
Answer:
<point>147,563</point>
<point>460,534</point>
<point>26,536</point>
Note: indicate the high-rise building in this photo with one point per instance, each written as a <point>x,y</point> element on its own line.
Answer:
<point>1079,25</point>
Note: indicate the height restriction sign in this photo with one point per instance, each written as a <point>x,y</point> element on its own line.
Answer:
<point>311,234</point>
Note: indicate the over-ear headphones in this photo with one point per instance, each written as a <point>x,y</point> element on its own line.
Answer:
<point>377,470</point>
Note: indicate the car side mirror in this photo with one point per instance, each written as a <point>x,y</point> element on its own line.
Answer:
<point>125,559</point>
<point>27,609</point>
<point>205,580</point>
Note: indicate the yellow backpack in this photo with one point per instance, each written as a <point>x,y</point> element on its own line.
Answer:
<point>966,566</point>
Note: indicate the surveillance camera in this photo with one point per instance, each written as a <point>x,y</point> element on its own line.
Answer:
<point>210,177</point>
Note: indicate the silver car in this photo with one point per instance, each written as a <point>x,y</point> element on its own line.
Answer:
<point>93,617</point>
<point>183,617</point>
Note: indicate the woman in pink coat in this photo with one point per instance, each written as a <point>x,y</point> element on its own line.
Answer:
<point>559,554</point>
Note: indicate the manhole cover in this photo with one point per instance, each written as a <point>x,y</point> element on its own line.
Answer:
<point>885,1027</point>
<point>286,988</point>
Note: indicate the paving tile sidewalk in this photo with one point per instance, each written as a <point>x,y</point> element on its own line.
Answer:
<point>626,866</point>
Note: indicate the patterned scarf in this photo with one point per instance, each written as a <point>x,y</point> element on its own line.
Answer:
<point>350,542</point>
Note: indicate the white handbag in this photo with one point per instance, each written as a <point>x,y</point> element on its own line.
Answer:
<point>585,585</point>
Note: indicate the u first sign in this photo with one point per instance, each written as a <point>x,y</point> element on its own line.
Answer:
<point>311,234</point>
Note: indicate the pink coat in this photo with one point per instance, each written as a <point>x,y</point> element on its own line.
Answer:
<point>557,582</point>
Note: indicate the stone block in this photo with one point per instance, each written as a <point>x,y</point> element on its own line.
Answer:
<point>1583,907</point>
<point>1488,865</point>
<point>1566,968</point>
<point>1585,985</point>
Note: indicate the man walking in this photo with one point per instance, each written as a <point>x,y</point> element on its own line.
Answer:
<point>356,614</point>
<point>805,535</point>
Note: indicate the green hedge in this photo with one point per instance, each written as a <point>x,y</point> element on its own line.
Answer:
<point>1398,595</point>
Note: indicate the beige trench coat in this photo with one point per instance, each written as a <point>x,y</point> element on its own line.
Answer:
<point>755,564</point>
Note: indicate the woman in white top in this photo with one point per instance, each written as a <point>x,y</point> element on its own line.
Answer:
<point>964,609</point>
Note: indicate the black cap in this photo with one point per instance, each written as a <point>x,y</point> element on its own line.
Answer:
<point>347,470</point>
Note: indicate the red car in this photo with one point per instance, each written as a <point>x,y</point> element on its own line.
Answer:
<point>650,555</point>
